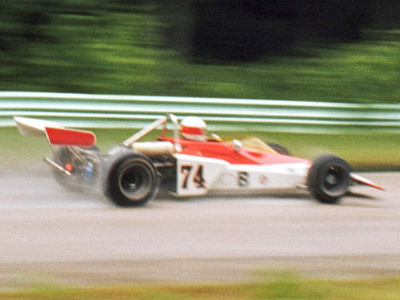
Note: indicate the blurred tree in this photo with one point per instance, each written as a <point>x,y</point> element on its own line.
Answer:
<point>333,20</point>
<point>178,17</point>
<point>245,30</point>
<point>385,14</point>
<point>239,31</point>
<point>117,46</point>
<point>21,24</point>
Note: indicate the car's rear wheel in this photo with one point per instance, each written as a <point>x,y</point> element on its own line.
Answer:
<point>328,179</point>
<point>133,181</point>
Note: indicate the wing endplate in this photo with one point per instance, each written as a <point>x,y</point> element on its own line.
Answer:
<point>34,127</point>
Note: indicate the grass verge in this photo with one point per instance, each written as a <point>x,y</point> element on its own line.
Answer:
<point>280,286</point>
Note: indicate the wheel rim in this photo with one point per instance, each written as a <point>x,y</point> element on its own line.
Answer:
<point>135,182</point>
<point>335,180</point>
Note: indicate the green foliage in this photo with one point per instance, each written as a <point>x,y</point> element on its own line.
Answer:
<point>119,47</point>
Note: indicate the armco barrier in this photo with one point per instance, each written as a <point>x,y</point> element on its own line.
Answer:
<point>244,115</point>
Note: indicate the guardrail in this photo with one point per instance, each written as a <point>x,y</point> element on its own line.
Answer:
<point>113,111</point>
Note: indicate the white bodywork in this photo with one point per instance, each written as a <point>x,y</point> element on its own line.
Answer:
<point>197,176</point>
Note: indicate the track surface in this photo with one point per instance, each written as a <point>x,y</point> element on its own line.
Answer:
<point>48,235</point>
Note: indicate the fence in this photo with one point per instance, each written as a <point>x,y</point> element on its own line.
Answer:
<point>242,115</point>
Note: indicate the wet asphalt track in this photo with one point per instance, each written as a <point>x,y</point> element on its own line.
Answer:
<point>49,236</point>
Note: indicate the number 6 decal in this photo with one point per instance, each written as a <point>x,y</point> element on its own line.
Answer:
<point>198,179</point>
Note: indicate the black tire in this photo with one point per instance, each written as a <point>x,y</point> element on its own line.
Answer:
<point>328,179</point>
<point>279,148</point>
<point>132,182</point>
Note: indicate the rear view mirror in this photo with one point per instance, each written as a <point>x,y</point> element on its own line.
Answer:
<point>237,145</point>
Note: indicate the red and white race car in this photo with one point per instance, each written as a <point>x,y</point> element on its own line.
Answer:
<point>185,162</point>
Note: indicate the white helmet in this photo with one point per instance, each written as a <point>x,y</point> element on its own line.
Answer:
<point>193,128</point>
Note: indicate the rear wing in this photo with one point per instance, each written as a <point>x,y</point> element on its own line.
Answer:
<point>55,133</point>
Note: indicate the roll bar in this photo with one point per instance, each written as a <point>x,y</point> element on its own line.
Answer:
<point>146,130</point>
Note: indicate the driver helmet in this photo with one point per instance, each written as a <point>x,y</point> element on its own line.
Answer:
<point>193,128</point>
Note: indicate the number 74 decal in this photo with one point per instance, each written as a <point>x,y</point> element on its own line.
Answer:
<point>197,179</point>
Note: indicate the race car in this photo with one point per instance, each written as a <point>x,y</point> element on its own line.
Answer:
<point>185,162</point>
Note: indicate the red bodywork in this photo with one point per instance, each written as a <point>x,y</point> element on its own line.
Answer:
<point>227,152</point>
<point>246,156</point>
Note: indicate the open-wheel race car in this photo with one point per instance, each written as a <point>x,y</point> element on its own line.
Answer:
<point>185,162</point>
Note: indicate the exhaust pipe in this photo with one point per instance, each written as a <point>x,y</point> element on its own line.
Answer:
<point>56,166</point>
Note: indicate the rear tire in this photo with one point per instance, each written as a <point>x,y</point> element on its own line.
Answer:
<point>328,179</point>
<point>132,182</point>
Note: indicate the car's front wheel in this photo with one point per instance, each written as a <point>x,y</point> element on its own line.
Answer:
<point>278,148</point>
<point>328,179</point>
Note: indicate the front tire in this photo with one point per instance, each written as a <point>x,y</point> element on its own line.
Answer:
<point>132,182</point>
<point>328,179</point>
<point>278,148</point>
